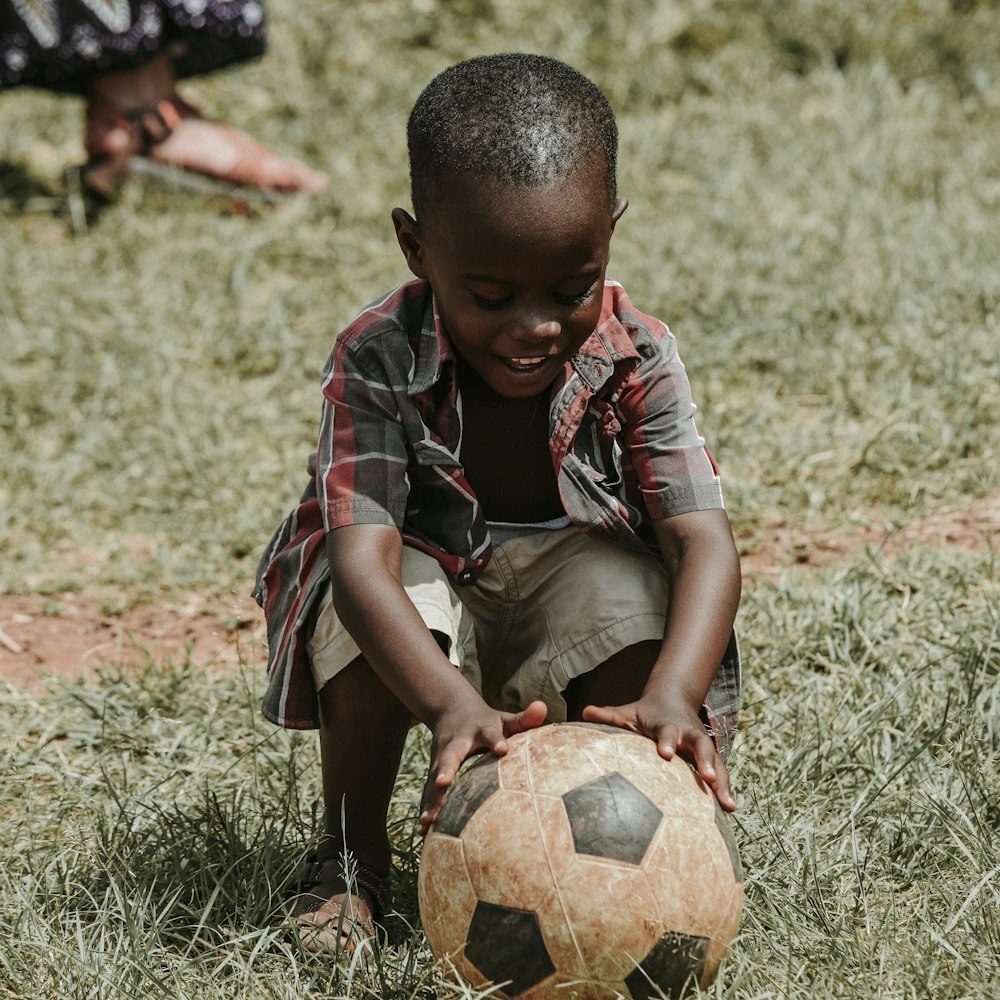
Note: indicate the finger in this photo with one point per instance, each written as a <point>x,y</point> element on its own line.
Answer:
<point>430,805</point>
<point>711,769</point>
<point>529,718</point>
<point>667,742</point>
<point>600,713</point>
<point>448,763</point>
<point>723,791</point>
<point>705,757</point>
<point>440,775</point>
<point>720,785</point>
<point>495,740</point>
<point>432,795</point>
<point>424,825</point>
<point>697,748</point>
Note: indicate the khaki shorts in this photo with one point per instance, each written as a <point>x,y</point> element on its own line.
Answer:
<point>550,606</point>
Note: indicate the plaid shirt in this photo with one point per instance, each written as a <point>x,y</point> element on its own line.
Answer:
<point>621,433</point>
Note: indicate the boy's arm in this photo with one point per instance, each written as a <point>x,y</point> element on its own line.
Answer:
<point>703,567</point>
<point>373,606</point>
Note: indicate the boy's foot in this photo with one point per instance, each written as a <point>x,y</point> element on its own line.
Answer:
<point>339,925</point>
<point>337,913</point>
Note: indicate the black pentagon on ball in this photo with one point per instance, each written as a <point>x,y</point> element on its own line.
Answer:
<point>675,962</point>
<point>467,794</point>
<point>610,818</point>
<point>506,945</point>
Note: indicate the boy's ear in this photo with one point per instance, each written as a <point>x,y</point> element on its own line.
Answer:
<point>409,240</point>
<point>618,209</point>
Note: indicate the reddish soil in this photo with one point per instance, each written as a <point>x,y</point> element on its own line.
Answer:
<point>780,545</point>
<point>67,635</point>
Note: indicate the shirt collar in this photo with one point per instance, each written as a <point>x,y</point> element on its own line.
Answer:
<point>608,346</point>
<point>434,352</point>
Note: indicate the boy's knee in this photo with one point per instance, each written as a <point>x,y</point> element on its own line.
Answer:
<point>357,691</point>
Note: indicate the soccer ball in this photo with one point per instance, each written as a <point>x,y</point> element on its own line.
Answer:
<point>581,866</point>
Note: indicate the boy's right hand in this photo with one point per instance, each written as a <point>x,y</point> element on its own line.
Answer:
<point>463,732</point>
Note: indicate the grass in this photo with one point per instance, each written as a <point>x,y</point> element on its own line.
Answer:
<point>153,819</point>
<point>815,210</point>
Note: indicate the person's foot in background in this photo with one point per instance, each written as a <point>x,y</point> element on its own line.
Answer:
<point>138,112</point>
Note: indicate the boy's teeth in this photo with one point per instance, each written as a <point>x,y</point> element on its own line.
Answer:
<point>526,362</point>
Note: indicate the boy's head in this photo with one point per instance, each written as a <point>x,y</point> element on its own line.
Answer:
<point>512,118</point>
<point>513,172</point>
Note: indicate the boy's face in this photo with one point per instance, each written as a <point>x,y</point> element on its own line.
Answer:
<point>517,272</point>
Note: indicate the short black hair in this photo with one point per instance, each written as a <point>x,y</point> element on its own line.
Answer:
<point>512,117</point>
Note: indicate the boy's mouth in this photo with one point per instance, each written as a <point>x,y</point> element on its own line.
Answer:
<point>526,364</point>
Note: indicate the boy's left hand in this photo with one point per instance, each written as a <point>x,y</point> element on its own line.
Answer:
<point>674,732</point>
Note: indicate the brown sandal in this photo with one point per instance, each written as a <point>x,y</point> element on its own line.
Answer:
<point>104,173</point>
<point>324,877</point>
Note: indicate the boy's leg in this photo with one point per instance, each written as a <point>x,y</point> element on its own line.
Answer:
<point>364,728</point>
<point>362,734</point>
<point>363,731</point>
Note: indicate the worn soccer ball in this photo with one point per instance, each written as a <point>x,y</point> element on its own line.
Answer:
<point>581,866</point>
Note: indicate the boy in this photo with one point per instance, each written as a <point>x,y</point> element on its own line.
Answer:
<point>511,517</point>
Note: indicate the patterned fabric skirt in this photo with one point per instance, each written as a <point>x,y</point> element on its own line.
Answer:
<point>61,44</point>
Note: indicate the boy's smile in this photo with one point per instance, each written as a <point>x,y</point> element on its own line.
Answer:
<point>517,271</point>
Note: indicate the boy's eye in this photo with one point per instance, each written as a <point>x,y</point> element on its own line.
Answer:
<point>503,301</point>
<point>487,303</point>
<point>579,298</point>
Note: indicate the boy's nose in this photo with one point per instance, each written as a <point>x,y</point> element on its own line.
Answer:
<point>535,330</point>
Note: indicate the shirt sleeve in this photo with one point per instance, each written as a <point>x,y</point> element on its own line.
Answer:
<point>675,471</point>
<point>361,454</point>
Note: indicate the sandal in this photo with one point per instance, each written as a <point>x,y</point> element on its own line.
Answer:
<point>232,161</point>
<point>343,931</point>
<point>104,173</point>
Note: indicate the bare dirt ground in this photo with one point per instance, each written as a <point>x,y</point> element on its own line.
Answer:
<point>972,526</point>
<point>69,635</point>
<point>49,636</point>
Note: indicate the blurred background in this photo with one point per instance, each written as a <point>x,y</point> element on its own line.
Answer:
<point>815,195</point>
